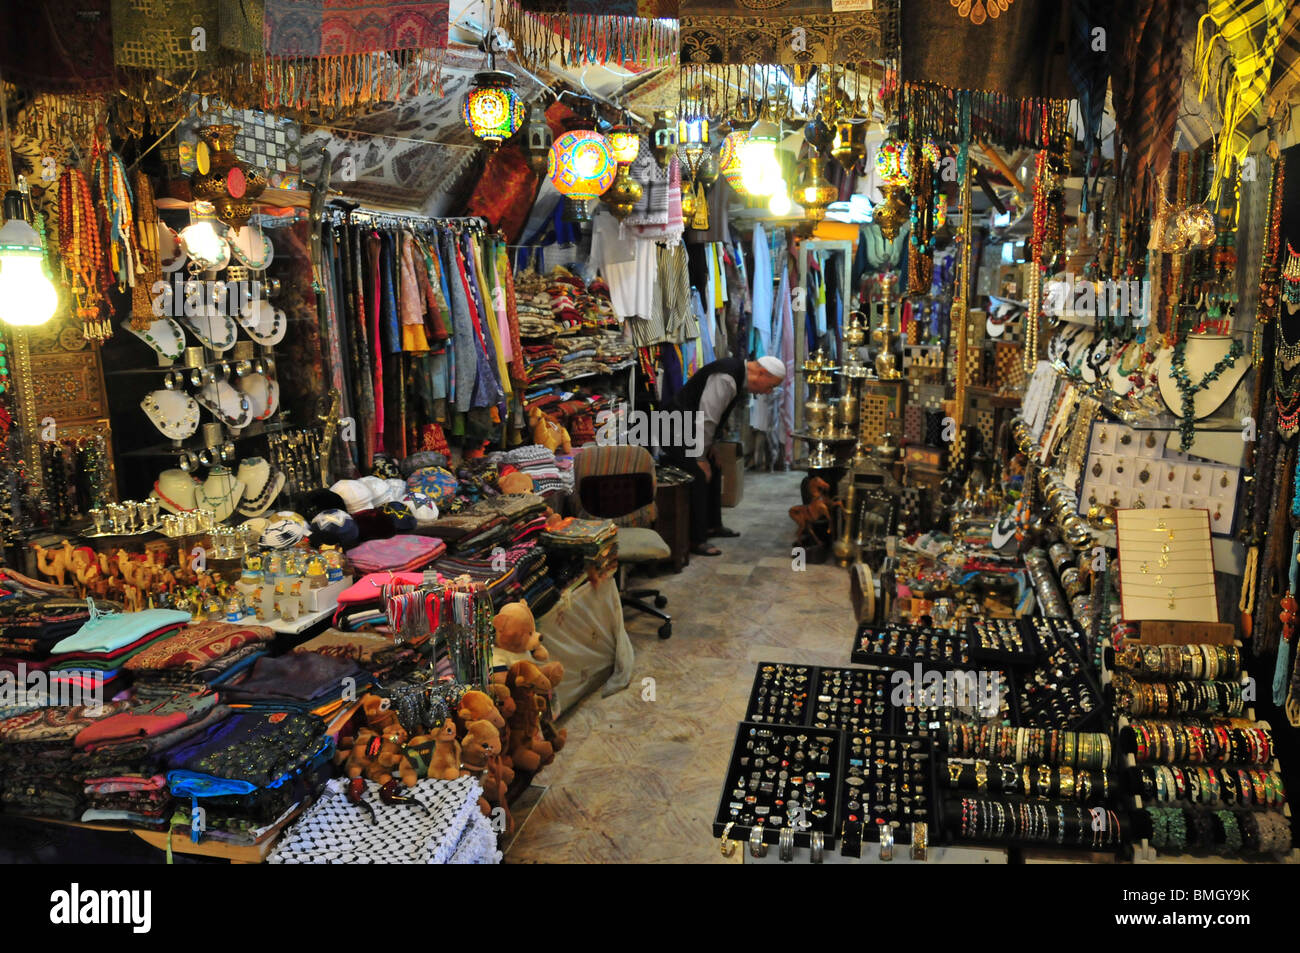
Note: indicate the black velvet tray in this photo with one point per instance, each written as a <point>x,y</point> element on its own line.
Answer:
<point>866,650</point>
<point>828,787</point>
<point>868,814</point>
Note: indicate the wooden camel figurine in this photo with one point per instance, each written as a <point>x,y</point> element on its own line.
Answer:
<point>53,563</point>
<point>818,508</point>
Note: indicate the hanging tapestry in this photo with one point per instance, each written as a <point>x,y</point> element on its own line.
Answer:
<point>164,34</point>
<point>1014,54</point>
<point>787,31</point>
<point>1286,63</point>
<point>585,32</point>
<point>319,53</point>
<point>1146,88</point>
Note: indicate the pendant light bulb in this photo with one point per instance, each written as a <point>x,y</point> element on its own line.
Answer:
<point>27,295</point>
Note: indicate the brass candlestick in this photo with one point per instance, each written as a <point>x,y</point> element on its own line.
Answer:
<point>817,410</point>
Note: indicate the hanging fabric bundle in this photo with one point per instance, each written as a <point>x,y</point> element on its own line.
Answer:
<point>1252,30</point>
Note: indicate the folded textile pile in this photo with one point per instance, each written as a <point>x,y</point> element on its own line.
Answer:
<point>301,681</point>
<point>469,532</point>
<point>401,553</point>
<point>138,799</point>
<point>451,830</point>
<point>198,656</point>
<point>540,464</point>
<point>31,629</point>
<point>575,546</point>
<point>249,771</point>
<point>35,748</point>
<point>505,574</point>
<point>107,641</point>
<point>542,365</point>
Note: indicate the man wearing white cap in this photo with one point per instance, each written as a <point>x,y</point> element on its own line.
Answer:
<point>713,391</point>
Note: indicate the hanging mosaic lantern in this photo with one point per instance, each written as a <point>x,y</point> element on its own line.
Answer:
<point>493,110</point>
<point>625,143</point>
<point>729,159</point>
<point>581,167</point>
<point>537,138</point>
<point>663,137</point>
<point>891,162</point>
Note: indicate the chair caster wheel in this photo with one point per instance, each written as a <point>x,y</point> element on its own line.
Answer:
<point>665,630</point>
<point>661,601</point>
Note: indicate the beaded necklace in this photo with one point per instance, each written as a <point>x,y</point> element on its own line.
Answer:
<point>113,194</point>
<point>1188,391</point>
<point>81,254</point>
<point>146,237</point>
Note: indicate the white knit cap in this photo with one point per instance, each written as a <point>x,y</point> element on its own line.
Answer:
<point>774,366</point>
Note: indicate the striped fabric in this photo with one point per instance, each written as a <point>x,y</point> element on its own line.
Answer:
<point>1286,62</point>
<point>1252,31</point>
<point>595,461</point>
<point>1146,84</point>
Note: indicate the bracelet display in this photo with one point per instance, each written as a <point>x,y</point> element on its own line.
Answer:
<point>1168,742</point>
<point>1090,750</point>
<point>989,819</point>
<point>1047,781</point>
<point>1225,832</point>
<point>1182,662</point>
<point>1165,699</point>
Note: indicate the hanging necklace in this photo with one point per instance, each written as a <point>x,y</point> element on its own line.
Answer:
<point>113,195</point>
<point>1291,276</point>
<point>80,254</point>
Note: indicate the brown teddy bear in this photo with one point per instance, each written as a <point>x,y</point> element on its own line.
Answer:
<point>479,706</point>
<point>529,687</point>
<point>515,481</point>
<point>479,757</point>
<point>445,763</point>
<point>518,640</point>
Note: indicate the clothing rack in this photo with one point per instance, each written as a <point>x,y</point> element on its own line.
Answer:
<point>340,213</point>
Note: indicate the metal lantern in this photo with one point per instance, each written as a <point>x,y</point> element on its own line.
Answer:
<point>818,133</point>
<point>623,194</point>
<point>850,143</point>
<point>815,192</point>
<point>492,109</point>
<point>537,138</point>
<point>224,179</point>
<point>581,167</point>
<point>663,137</point>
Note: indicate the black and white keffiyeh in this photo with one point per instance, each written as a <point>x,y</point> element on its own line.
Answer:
<point>334,831</point>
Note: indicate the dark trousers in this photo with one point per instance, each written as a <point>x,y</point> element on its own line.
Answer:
<point>706,495</point>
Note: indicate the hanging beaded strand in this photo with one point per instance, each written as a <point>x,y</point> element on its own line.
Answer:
<point>81,254</point>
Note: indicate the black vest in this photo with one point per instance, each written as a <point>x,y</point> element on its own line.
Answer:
<point>688,398</point>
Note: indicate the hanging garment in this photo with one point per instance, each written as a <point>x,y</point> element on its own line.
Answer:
<point>487,391</point>
<point>464,344</point>
<point>411,299</point>
<point>364,339</point>
<point>488,314</point>
<point>761,292</point>
<point>507,279</point>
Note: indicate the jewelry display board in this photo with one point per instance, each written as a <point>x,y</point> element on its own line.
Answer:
<point>1166,565</point>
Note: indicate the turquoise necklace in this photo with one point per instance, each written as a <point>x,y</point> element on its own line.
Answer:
<point>1188,391</point>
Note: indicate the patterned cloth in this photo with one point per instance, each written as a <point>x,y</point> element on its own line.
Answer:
<point>400,553</point>
<point>347,27</point>
<point>1252,30</point>
<point>1286,62</point>
<point>195,646</point>
<point>335,831</point>
<point>59,724</point>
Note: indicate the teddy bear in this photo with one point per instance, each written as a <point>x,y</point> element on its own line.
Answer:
<point>478,706</point>
<point>479,753</point>
<point>444,765</point>
<point>548,433</point>
<point>529,687</point>
<point>518,640</point>
<point>515,481</point>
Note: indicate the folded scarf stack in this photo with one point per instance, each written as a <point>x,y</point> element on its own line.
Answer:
<point>199,656</point>
<point>107,641</point>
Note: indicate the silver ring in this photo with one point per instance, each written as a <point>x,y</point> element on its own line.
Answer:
<point>886,842</point>
<point>816,846</point>
<point>787,844</point>
<point>756,846</point>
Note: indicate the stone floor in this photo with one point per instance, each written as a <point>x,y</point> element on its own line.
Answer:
<point>640,777</point>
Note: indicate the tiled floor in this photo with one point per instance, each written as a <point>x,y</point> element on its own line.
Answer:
<point>640,777</point>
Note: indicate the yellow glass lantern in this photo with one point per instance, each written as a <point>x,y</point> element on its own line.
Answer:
<point>581,167</point>
<point>625,144</point>
<point>815,192</point>
<point>729,159</point>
